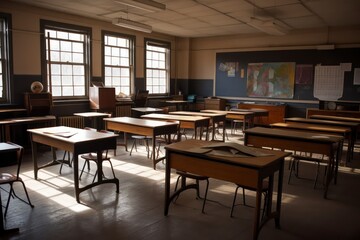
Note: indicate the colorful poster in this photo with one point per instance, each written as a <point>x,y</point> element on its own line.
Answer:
<point>273,80</point>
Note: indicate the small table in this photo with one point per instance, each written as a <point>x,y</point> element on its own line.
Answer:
<point>247,171</point>
<point>180,104</point>
<point>77,141</point>
<point>216,118</point>
<point>190,122</point>
<point>6,148</point>
<point>246,117</point>
<point>299,141</point>
<point>352,125</point>
<point>317,128</point>
<point>141,127</point>
<point>95,119</point>
<point>6,124</point>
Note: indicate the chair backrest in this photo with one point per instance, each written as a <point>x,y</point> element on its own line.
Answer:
<point>141,98</point>
<point>13,158</point>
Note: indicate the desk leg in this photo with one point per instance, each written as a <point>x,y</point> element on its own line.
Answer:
<point>34,157</point>
<point>167,184</point>
<point>257,211</point>
<point>330,170</point>
<point>279,193</point>
<point>153,141</point>
<point>76,176</point>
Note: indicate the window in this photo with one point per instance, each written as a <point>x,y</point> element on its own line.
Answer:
<point>157,66</point>
<point>118,62</point>
<point>4,58</point>
<point>67,59</point>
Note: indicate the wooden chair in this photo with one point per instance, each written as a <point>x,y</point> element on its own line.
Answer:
<point>182,177</point>
<point>264,191</point>
<point>93,157</point>
<point>137,140</point>
<point>10,178</point>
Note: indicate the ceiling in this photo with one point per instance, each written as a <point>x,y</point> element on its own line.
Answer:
<point>203,18</point>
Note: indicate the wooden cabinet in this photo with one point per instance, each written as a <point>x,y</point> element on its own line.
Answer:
<point>214,103</point>
<point>102,99</point>
<point>277,112</point>
<point>38,104</point>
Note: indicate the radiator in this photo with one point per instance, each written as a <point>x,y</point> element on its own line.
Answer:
<point>123,111</point>
<point>71,121</point>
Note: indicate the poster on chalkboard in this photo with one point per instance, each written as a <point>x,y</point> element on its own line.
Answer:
<point>272,80</point>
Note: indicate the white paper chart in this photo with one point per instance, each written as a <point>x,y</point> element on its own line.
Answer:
<point>328,82</point>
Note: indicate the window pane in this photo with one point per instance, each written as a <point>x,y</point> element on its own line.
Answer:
<point>68,61</point>
<point>117,70</point>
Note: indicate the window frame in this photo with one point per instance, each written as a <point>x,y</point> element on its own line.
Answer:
<point>6,60</point>
<point>167,46</point>
<point>132,49</point>
<point>59,26</point>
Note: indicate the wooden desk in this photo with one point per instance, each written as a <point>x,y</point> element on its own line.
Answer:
<point>316,128</point>
<point>352,125</point>
<point>7,124</point>
<point>95,119</point>
<point>142,127</point>
<point>299,141</point>
<point>246,117</point>
<point>82,141</point>
<point>336,118</point>
<point>216,118</point>
<point>6,149</point>
<point>247,171</point>
<point>192,122</point>
<point>137,112</point>
<point>339,113</point>
<point>180,104</point>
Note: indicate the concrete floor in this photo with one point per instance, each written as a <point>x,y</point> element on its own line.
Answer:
<point>137,211</point>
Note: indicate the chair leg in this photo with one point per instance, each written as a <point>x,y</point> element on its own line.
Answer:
<point>205,196</point>
<point>82,170</point>
<point>234,200</point>
<point>12,193</point>
<point>132,147</point>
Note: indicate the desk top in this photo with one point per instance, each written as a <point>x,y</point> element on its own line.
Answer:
<point>253,162</point>
<point>176,101</point>
<point>26,119</point>
<point>175,117</point>
<point>71,135</point>
<point>139,122</point>
<point>257,111</point>
<point>202,114</point>
<point>313,127</point>
<point>293,134</point>
<point>336,118</point>
<point>147,109</point>
<point>322,121</point>
<point>229,112</point>
<point>6,147</point>
<point>11,110</point>
<point>92,114</point>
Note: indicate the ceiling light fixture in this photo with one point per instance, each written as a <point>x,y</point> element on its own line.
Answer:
<point>269,27</point>
<point>147,5</point>
<point>132,25</point>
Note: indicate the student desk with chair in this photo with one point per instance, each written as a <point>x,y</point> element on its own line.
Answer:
<point>143,127</point>
<point>216,119</point>
<point>77,141</point>
<point>247,171</point>
<point>286,139</point>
